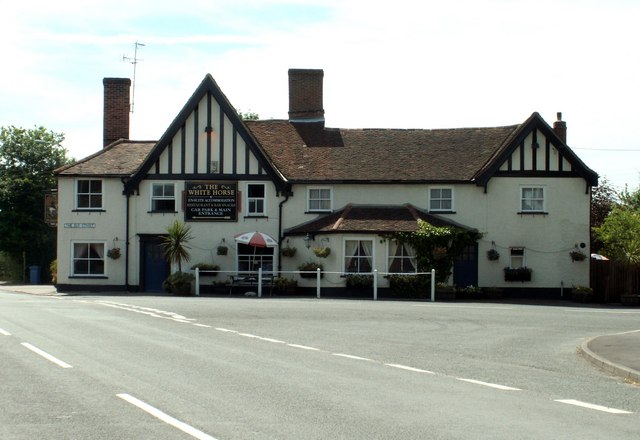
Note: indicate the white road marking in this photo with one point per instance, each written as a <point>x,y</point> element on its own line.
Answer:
<point>188,429</point>
<point>613,312</point>
<point>4,332</point>
<point>463,306</point>
<point>249,335</point>
<point>46,355</point>
<point>304,347</point>
<point>491,385</point>
<point>275,341</point>
<point>156,313</point>
<point>405,367</point>
<point>226,330</point>
<point>202,325</point>
<point>592,406</point>
<point>350,356</point>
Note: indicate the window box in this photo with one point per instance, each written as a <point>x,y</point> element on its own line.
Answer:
<point>518,274</point>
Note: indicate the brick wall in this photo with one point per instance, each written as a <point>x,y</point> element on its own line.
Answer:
<point>116,109</point>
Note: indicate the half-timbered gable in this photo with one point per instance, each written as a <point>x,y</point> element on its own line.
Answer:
<point>536,150</point>
<point>207,140</point>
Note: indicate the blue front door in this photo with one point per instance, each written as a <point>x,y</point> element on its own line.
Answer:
<point>465,267</point>
<point>155,266</point>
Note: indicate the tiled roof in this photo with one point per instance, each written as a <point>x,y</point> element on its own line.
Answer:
<point>121,158</point>
<point>370,219</point>
<point>310,153</point>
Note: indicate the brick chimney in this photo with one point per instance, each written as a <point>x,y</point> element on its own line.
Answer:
<point>305,96</point>
<point>560,127</point>
<point>116,109</point>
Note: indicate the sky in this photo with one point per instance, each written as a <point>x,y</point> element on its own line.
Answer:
<point>387,64</point>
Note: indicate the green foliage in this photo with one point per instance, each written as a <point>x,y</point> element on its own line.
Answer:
<point>603,199</point>
<point>248,115</point>
<point>410,286</point>
<point>437,247</point>
<point>358,281</point>
<point>10,268</point>
<point>178,283</point>
<point>53,270</point>
<point>310,266</point>
<point>27,161</point>
<point>205,266</point>
<point>175,244</point>
<point>285,285</point>
<point>620,235</point>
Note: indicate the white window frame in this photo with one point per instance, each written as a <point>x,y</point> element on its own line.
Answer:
<point>252,212</point>
<point>532,199</point>
<point>88,258</point>
<point>372,257</point>
<point>517,255</point>
<point>441,199</point>
<point>89,194</point>
<point>153,198</point>
<point>319,199</point>
<point>391,258</point>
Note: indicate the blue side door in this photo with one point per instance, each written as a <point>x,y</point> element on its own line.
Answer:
<point>465,267</point>
<point>155,266</point>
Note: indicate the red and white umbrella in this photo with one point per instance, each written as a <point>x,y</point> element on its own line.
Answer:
<point>256,239</point>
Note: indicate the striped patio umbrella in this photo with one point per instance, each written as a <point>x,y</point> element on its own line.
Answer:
<point>256,239</point>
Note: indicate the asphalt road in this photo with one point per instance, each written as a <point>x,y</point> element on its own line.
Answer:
<point>118,367</point>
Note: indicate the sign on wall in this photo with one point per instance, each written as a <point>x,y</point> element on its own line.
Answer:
<point>211,201</point>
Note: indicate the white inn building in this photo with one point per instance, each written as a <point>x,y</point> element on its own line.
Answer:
<point>307,185</point>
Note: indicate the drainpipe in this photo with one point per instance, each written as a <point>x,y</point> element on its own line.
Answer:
<point>126,238</point>
<point>280,239</point>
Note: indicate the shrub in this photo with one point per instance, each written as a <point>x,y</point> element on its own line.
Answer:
<point>409,286</point>
<point>178,283</point>
<point>357,281</point>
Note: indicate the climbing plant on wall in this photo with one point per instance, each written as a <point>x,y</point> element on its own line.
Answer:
<point>437,246</point>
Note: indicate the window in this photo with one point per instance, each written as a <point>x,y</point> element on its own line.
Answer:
<point>441,199</point>
<point>319,199</point>
<point>163,197</point>
<point>532,199</point>
<point>88,259</point>
<point>516,260</point>
<point>251,258</point>
<point>89,194</point>
<point>402,258</point>
<point>358,256</point>
<point>255,198</point>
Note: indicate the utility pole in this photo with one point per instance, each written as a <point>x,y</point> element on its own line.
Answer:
<point>135,60</point>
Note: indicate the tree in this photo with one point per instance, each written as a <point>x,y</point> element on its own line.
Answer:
<point>603,199</point>
<point>248,116</point>
<point>620,235</point>
<point>175,243</point>
<point>27,161</point>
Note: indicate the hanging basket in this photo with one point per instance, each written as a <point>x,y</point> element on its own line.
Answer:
<point>113,253</point>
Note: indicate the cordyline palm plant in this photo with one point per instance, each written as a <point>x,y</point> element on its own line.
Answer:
<point>175,243</point>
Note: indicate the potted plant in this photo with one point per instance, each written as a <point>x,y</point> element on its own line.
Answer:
<point>445,292</point>
<point>288,251</point>
<point>176,249</point>
<point>577,255</point>
<point>178,283</point>
<point>114,253</point>
<point>210,268</point>
<point>359,282</point>
<point>630,299</point>
<point>493,255</point>
<point>310,266</point>
<point>322,252</point>
<point>517,274</point>
<point>222,250</point>
<point>285,285</point>
<point>582,294</point>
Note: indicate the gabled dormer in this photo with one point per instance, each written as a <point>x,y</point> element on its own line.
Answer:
<point>536,150</point>
<point>207,140</point>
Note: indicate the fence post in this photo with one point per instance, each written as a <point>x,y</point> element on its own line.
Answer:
<point>318,282</point>
<point>433,285</point>
<point>197,281</point>
<point>260,282</point>
<point>375,284</point>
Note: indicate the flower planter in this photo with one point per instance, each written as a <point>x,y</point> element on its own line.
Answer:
<point>520,274</point>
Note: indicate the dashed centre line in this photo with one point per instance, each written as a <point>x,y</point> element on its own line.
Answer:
<point>350,356</point>
<point>4,332</point>
<point>155,412</point>
<point>490,385</point>
<point>304,347</point>
<point>46,355</point>
<point>592,406</point>
<point>406,367</point>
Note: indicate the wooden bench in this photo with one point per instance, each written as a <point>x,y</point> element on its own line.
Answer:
<point>250,280</point>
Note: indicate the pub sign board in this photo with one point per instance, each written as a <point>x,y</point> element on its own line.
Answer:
<point>211,201</point>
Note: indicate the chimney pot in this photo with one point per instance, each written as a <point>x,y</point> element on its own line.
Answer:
<point>305,95</point>
<point>560,128</point>
<point>116,109</point>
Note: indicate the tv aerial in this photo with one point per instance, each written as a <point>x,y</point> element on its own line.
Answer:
<point>135,60</point>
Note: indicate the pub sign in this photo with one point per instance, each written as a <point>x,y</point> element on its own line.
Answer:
<point>211,201</point>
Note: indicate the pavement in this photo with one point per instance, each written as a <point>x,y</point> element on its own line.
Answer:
<point>617,354</point>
